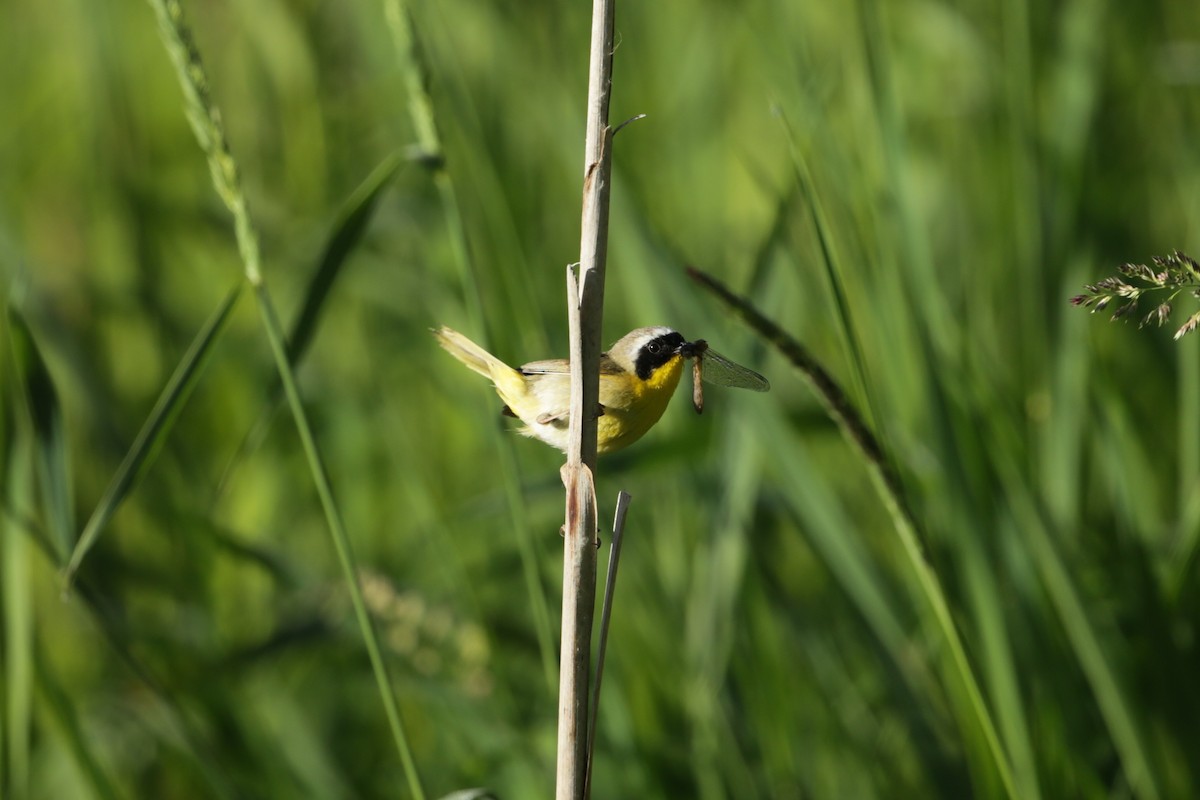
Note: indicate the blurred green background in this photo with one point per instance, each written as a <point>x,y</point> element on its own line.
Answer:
<point>952,171</point>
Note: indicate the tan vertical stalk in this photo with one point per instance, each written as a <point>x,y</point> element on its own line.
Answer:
<point>585,307</point>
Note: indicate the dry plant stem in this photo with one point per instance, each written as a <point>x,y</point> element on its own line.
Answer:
<point>852,424</point>
<point>579,589</point>
<point>585,307</point>
<point>579,582</point>
<point>610,586</point>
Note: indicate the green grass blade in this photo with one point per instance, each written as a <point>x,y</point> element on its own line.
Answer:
<point>719,571</point>
<point>154,430</point>
<point>7,518</point>
<point>1187,548</point>
<point>1116,710</point>
<point>60,702</point>
<point>827,530</point>
<point>1000,665</point>
<point>17,598</point>
<point>29,420</point>
<point>114,630</point>
<point>912,235</point>
<point>429,145</point>
<point>891,493</point>
<point>834,273</point>
<point>210,134</point>
<point>341,540</point>
<point>413,64</point>
<point>169,712</point>
<point>353,219</point>
<point>38,402</point>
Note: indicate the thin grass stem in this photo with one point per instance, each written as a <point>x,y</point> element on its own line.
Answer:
<point>154,431</point>
<point>430,148</point>
<point>891,492</point>
<point>206,123</point>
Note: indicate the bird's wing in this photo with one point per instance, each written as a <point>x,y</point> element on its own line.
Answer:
<point>608,366</point>
<point>550,366</point>
<point>560,366</point>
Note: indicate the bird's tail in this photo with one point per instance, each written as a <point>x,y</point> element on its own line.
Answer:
<point>510,384</point>
<point>475,357</point>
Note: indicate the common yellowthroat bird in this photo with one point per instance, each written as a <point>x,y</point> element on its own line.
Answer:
<point>638,375</point>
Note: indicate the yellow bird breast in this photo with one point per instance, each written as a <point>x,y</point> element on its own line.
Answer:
<point>632,406</point>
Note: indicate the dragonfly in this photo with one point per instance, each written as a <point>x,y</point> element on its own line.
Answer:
<point>709,366</point>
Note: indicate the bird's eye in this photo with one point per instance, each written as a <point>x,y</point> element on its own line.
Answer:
<point>654,348</point>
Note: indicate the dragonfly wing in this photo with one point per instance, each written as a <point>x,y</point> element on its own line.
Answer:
<point>721,371</point>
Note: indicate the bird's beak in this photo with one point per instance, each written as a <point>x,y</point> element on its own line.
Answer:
<point>693,349</point>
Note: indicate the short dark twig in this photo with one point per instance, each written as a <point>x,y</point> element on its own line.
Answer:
<point>827,389</point>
